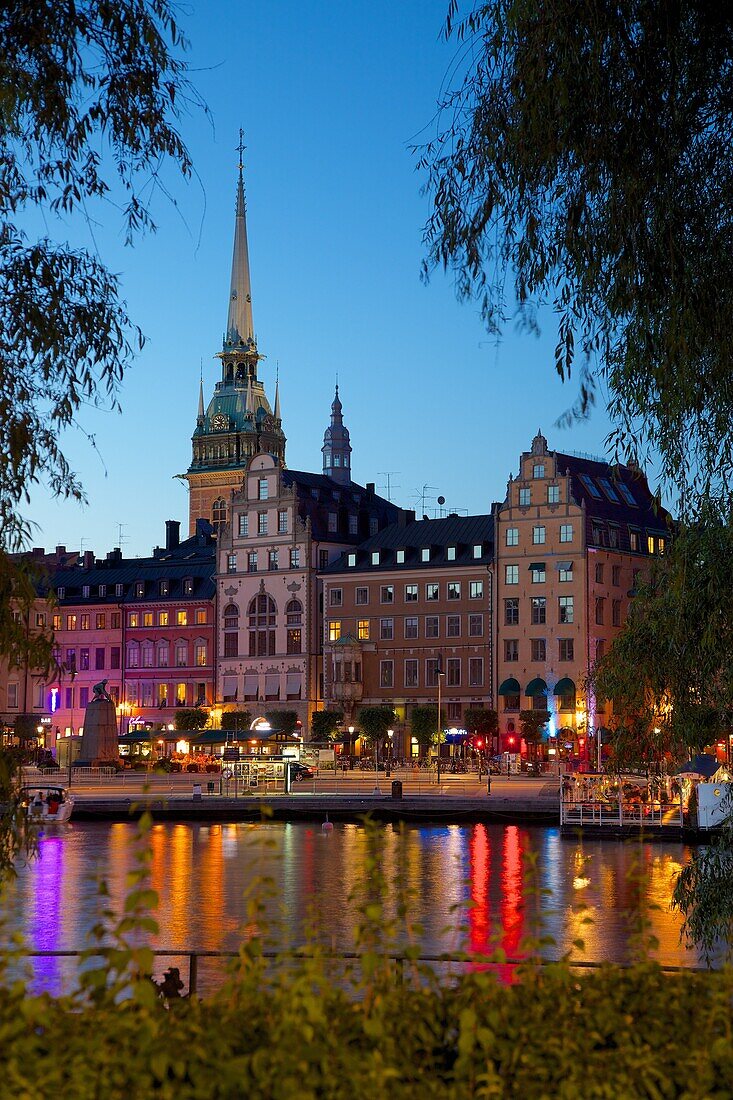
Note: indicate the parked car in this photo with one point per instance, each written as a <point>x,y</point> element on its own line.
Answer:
<point>301,771</point>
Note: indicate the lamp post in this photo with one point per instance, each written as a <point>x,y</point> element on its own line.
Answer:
<point>376,766</point>
<point>390,735</point>
<point>351,739</point>
<point>439,673</point>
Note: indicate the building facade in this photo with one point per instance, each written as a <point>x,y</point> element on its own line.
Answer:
<point>572,536</point>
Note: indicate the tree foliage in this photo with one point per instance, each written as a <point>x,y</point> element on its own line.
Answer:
<point>325,723</point>
<point>375,721</point>
<point>669,670</point>
<point>424,724</point>
<point>236,720</point>
<point>582,160</point>
<point>189,718</point>
<point>282,720</point>
<point>532,724</point>
<point>482,720</point>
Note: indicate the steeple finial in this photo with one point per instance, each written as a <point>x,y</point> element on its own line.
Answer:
<point>200,415</point>
<point>240,327</point>
<point>277,392</point>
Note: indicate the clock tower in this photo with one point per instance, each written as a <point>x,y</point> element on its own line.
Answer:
<point>238,421</point>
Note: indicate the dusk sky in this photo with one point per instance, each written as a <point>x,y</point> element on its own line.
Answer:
<point>330,98</point>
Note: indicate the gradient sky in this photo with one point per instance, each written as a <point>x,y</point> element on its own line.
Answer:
<point>330,97</point>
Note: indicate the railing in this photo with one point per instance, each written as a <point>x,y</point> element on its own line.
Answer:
<point>653,815</point>
<point>400,961</point>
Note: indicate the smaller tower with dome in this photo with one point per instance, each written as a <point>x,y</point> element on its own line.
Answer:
<point>336,447</point>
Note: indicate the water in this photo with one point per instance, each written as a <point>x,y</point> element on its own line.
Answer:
<point>467,883</point>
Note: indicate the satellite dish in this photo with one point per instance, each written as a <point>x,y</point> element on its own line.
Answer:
<point>441,500</point>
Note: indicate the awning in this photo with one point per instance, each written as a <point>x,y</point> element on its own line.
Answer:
<point>229,687</point>
<point>510,687</point>
<point>703,765</point>
<point>210,737</point>
<point>564,565</point>
<point>138,738</point>
<point>536,687</point>
<point>293,685</point>
<point>537,565</point>
<point>566,686</point>
<point>250,685</point>
<point>272,685</point>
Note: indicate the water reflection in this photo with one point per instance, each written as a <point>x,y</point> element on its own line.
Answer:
<point>471,887</point>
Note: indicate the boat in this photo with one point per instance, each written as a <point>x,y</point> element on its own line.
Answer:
<point>48,803</point>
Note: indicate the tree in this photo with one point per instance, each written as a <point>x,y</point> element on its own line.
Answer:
<point>282,720</point>
<point>532,724</point>
<point>375,721</point>
<point>189,718</point>
<point>483,721</point>
<point>424,725</point>
<point>91,97</point>
<point>236,720</point>
<point>669,670</point>
<point>325,723</point>
<point>582,159</point>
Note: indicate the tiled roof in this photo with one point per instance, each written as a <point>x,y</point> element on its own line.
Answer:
<point>320,495</point>
<point>461,532</point>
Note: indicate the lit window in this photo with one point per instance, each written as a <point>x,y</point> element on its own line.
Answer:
<point>133,619</point>
<point>334,630</point>
<point>162,618</point>
<point>400,557</point>
<point>478,550</point>
<point>201,616</point>
<point>650,544</point>
<point>188,586</point>
<point>147,618</point>
<point>375,557</point>
<point>182,618</point>
<point>363,630</point>
<point>425,553</point>
<point>351,560</point>
<point>140,589</point>
<point>200,653</point>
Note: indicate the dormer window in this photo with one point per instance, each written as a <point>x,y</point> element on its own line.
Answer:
<point>85,591</point>
<point>425,553</point>
<point>451,553</point>
<point>375,557</point>
<point>188,586</point>
<point>61,592</point>
<point>351,560</point>
<point>477,550</point>
<point>164,588</point>
<point>102,590</point>
<point>400,557</point>
<point>139,589</point>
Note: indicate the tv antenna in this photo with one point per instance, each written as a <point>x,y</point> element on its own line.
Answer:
<point>421,494</point>
<point>121,536</point>
<point>388,475</point>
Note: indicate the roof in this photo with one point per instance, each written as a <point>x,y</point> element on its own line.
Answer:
<point>463,533</point>
<point>703,764</point>
<point>320,496</point>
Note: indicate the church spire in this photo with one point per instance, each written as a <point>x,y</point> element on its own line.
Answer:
<point>200,415</point>
<point>240,327</point>
<point>336,447</point>
<point>277,396</point>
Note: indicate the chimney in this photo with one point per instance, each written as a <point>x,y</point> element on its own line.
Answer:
<point>60,551</point>
<point>370,488</point>
<point>172,534</point>
<point>89,559</point>
<point>407,515</point>
<point>115,555</point>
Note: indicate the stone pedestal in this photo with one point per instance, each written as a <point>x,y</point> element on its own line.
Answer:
<point>99,740</point>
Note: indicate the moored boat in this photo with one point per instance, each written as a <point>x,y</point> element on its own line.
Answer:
<point>50,804</point>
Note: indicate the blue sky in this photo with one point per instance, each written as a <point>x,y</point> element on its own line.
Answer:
<point>330,97</point>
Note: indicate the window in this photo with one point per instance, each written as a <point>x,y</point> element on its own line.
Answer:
<point>85,591</point>
<point>431,672</point>
<point>139,589</point>
<point>512,536</point>
<point>133,619</point>
<point>451,553</point>
<point>386,593</point>
<point>101,620</point>
<point>633,540</point>
<point>231,644</point>
<point>252,561</point>
<point>119,589</point>
<point>400,557</point>
<point>351,560</point>
<point>83,660</point>
<point>362,630</point>
<point>262,613</point>
<point>566,650</point>
<point>538,606</point>
<point>282,522</point>
<point>626,493</point>
<point>231,563</point>
<point>425,553</point>
<point>538,470</point>
<point>83,696</point>
<point>599,572</point>
<point>262,523</point>
<point>262,489</point>
<point>98,659</point>
<point>411,673</point>
<point>336,597</point>
<point>553,494</point>
<point>200,616</point>
<point>147,618</point>
<point>69,698</point>
<point>294,640</point>
<point>566,702</point>
<point>511,649</point>
<point>453,626</point>
<point>616,612</point>
<point>525,498</point>
<point>163,618</point>
<point>182,618</point>
<point>218,513</point>
<point>410,593</point>
<point>600,606</point>
<point>432,591</point>
<point>180,695</point>
<point>475,626</point>
<point>454,590</point>
<point>478,550</point>
<point>148,653</point>
<point>537,569</point>
<point>386,629</point>
<point>616,575</point>
<point>362,596</point>
<point>476,590</point>
<point>181,654</point>
<point>613,536</point>
<point>608,489</point>
<point>162,695</point>
<point>295,558</point>
<point>102,591</point>
<point>61,592</point>
<point>475,671</point>
<point>243,520</point>
<point>294,613</point>
<point>162,655</point>
<point>453,672</point>
<point>511,574</point>
<point>56,622</point>
<point>375,557</point>
<point>133,656</point>
<point>114,657</point>
<point>386,674</point>
<point>272,561</point>
<point>539,649</point>
<point>511,612</point>
<point>566,532</point>
<point>323,559</point>
<point>411,628</point>
<point>565,609</point>
<point>566,571</point>
<point>188,586</point>
<point>600,650</point>
<point>199,654</point>
<point>334,630</point>
<point>373,525</point>
<point>432,626</point>
<point>71,621</point>
<point>332,522</point>
<point>650,544</point>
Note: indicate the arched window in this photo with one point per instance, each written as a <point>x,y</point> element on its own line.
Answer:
<point>231,630</point>
<point>294,612</point>
<point>219,513</point>
<point>262,613</point>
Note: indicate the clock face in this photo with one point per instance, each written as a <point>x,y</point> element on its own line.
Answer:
<point>220,421</point>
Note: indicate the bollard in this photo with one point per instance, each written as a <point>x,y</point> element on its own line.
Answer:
<point>488,783</point>
<point>197,792</point>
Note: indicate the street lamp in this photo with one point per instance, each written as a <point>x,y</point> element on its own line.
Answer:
<point>376,766</point>
<point>439,673</point>
<point>351,739</point>
<point>390,734</point>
